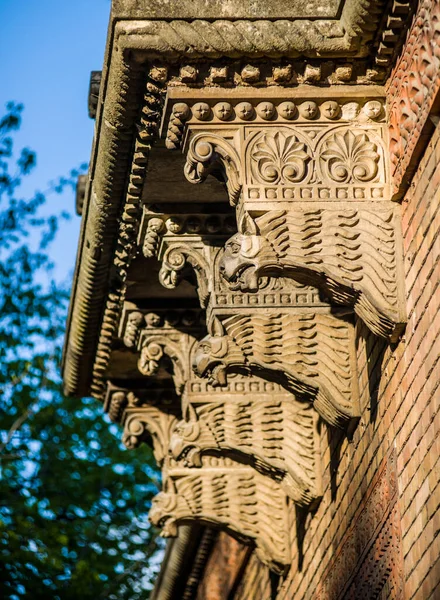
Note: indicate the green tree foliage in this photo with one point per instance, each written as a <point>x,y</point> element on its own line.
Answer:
<point>73,501</point>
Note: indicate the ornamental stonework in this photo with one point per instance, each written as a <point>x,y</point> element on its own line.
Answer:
<point>311,183</point>
<point>259,420</point>
<point>229,494</point>
<point>219,322</point>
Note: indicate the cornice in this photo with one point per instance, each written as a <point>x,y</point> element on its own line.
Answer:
<point>123,141</point>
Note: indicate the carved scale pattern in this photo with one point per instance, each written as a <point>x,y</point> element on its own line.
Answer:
<point>350,253</point>
<point>274,428</point>
<point>325,193</point>
<point>228,494</point>
<point>310,353</point>
<point>278,433</point>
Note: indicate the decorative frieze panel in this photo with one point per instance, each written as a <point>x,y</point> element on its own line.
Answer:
<point>309,175</point>
<point>231,495</point>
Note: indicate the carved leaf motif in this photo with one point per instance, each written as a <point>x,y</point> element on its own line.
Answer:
<point>280,158</point>
<point>350,157</point>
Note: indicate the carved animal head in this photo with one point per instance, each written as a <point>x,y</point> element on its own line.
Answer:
<point>182,443</point>
<point>246,254</point>
<point>161,513</point>
<point>214,356</point>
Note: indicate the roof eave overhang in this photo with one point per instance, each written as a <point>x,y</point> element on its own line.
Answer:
<point>130,45</point>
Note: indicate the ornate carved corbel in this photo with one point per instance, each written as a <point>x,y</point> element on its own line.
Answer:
<point>162,336</point>
<point>222,492</point>
<point>310,177</point>
<point>186,244</point>
<point>351,255</point>
<point>258,421</point>
<point>230,495</point>
<point>310,352</point>
<point>249,419</point>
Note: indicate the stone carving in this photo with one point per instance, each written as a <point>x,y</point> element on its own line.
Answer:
<point>152,237</point>
<point>275,431</point>
<point>280,112</point>
<point>227,494</point>
<point>162,337</point>
<point>125,227</point>
<point>209,152</point>
<point>350,157</point>
<point>279,158</point>
<point>320,196</point>
<point>368,563</point>
<point>413,88</point>
<point>178,257</point>
<point>150,422</point>
<point>179,115</point>
<point>350,254</point>
<point>186,245</point>
<point>94,87</point>
<point>145,416</point>
<point>262,423</point>
<point>293,162</point>
<point>308,352</point>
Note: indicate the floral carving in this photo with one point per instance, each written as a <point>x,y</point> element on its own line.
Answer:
<point>279,158</point>
<point>350,157</point>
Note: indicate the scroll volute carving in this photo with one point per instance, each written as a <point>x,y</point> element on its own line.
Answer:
<point>313,197</point>
<point>164,340</point>
<point>231,496</point>
<point>186,246</point>
<point>209,152</point>
<point>146,416</point>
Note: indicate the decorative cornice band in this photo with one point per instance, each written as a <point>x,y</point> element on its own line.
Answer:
<point>130,44</point>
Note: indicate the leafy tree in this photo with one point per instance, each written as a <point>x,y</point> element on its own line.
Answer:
<point>73,501</point>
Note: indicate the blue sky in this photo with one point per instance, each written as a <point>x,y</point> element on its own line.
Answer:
<point>47,50</point>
